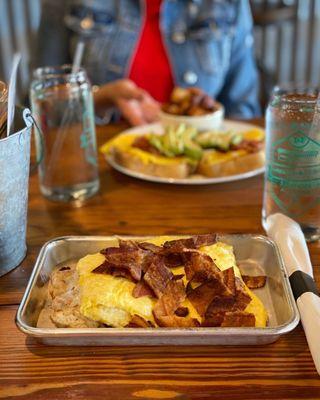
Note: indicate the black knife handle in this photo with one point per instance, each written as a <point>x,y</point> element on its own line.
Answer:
<point>301,283</point>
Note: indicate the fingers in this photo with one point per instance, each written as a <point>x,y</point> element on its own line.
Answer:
<point>135,104</point>
<point>125,88</point>
<point>131,111</point>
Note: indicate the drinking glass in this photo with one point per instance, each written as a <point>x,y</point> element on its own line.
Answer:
<point>292,178</point>
<point>62,106</point>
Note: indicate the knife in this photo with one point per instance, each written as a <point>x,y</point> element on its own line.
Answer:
<point>287,234</point>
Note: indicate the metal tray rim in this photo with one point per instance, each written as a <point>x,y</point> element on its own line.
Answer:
<point>144,332</point>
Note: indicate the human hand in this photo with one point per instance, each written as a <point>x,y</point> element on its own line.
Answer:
<point>135,104</point>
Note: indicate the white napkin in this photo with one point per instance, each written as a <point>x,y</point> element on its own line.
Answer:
<point>289,237</point>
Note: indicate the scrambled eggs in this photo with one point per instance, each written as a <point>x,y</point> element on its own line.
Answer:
<point>109,299</point>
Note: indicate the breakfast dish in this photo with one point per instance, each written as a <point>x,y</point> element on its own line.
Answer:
<point>182,283</point>
<point>182,154</point>
<point>190,101</point>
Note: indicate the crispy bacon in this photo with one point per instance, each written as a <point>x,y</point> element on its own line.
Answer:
<point>173,259</point>
<point>254,282</point>
<point>213,320</point>
<point>251,146</point>
<point>142,143</point>
<point>224,303</point>
<point>170,300</point>
<point>202,296</point>
<point>138,322</point>
<point>126,260</point>
<point>177,277</point>
<point>194,242</point>
<point>242,297</point>
<point>158,276</point>
<point>229,280</point>
<point>230,319</point>
<point>173,321</point>
<point>220,298</point>
<point>199,267</point>
<point>182,311</point>
<point>238,318</point>
<point>150,247</point>
<point>142,289</point>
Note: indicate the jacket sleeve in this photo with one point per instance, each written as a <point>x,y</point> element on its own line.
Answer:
<point>240,91</point>
<point>53,36</point>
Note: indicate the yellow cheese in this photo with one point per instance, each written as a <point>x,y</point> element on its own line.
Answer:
<point>254,134</point>
<point>124,143</point>
<point>218,157</point>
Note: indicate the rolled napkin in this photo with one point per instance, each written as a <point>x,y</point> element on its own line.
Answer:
<point>289,237</point>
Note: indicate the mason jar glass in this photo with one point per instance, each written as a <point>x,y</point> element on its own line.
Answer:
<point>62,106</point>
<point>292,178</point>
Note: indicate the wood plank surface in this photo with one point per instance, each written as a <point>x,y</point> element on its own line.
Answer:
<point>282,370</point>
<point>28,370</point>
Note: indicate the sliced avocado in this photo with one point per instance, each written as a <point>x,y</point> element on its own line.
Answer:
<point>236,139</point>
<point>167,145</point>
<point>192,150</point>
<point>217,140</point>
<point>155,140</point>
<point>176,145</point>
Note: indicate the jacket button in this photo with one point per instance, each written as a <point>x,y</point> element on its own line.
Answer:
<point>190,77</point>
<point>178,37</point>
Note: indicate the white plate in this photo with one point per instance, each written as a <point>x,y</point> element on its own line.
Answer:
<point>192,180</point>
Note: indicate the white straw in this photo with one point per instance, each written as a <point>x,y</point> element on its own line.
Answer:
<point>12,91</point>
<point>77,57</point>
<point>62,131</point>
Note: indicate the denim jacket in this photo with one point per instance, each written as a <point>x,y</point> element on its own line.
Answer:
<point>209,43</point>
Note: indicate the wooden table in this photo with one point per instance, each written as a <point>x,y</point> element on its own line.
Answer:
<point>28,370</point>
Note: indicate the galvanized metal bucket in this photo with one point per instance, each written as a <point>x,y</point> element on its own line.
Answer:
<point>14,178</point>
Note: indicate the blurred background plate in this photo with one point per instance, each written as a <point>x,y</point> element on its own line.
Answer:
<point>192,180</point>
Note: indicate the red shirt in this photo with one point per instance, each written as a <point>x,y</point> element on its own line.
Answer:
<point>150,68</point>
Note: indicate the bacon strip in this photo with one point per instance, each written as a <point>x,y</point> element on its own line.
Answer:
<point>170,300</point>
<point>194,242</point>
<point>139,322</point>
<point>230,319</point>
<point>238,318</point>
<point>203,295</point>
<point>158,276</point>
<point>199,267</point>
<point>254,282</point>
<point>128,271</point>
<point>142,289</point>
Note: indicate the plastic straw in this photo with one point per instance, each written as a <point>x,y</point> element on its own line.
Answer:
<point>77,60</point>
<point>12,91</point>
<point>77,57</point>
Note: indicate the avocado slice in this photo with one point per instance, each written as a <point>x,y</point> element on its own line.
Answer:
<point>192,149</point>
<point>157,142</point>
<point>218,140</point>
<point>176,145</point>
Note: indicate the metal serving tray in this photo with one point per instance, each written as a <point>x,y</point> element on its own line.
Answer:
<point>255,254</point>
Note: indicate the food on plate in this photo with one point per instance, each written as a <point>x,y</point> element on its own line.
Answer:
<point>182,151</point>
<point>189,282</point>
<point>231,154</point>
<point>190,102</point>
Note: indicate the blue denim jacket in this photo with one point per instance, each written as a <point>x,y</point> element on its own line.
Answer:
<point>209,43</point>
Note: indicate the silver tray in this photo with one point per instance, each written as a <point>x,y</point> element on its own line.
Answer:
<point>255,254</point>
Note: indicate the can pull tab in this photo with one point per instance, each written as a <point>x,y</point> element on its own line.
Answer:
<point>30,120</point>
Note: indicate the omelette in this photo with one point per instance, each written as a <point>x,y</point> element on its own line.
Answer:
<point>108,299</point>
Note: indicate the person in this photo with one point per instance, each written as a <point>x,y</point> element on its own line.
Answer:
<point>137,51</point>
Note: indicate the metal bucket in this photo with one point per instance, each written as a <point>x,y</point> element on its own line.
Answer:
<point>14,178</point>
